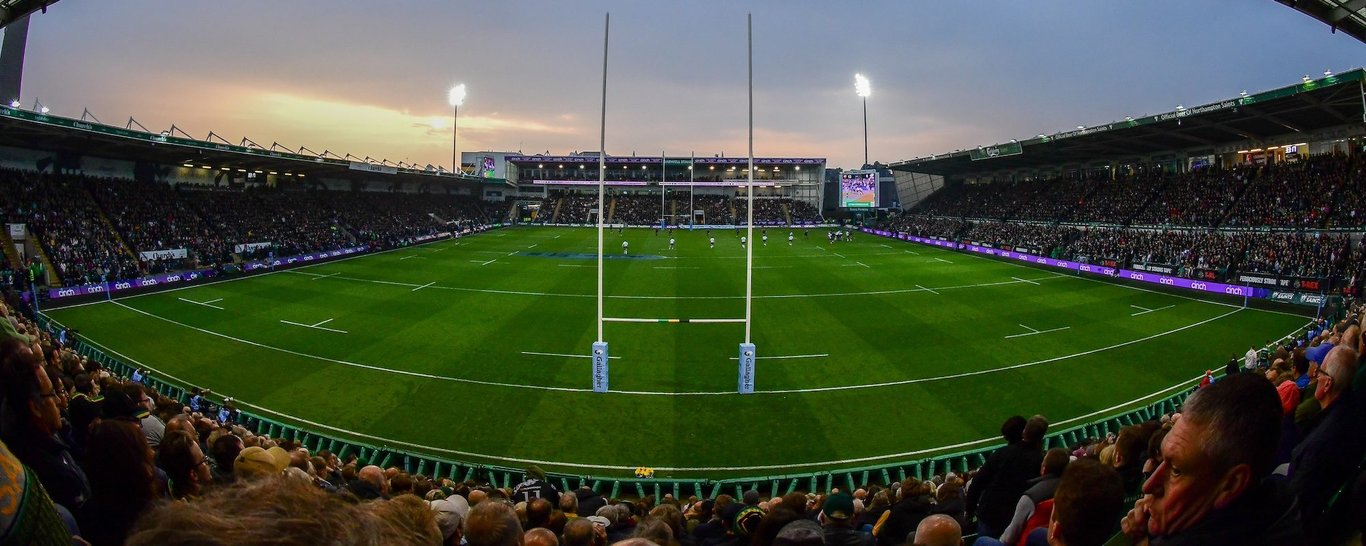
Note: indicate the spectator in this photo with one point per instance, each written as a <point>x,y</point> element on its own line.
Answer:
<point>185,465</point>
<point>1089,498</point>
<point>1031,511</point>
<point>1212,485</point>
<point>937,530</point>
<point>31,399</point>
<point>1327,456</point>
<point>254,463</point>
<point>493,524</point>
<point>534,486</point>
<point>250,513</point>
<point>540,536</point>
<point>584,532</point>
<point>450,515</point>
<point>1004,477</point>
<point>122,481</point>
<point>914,505</point>
<point>837,517</point>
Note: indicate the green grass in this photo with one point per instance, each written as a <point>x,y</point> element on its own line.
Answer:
<point>909,372</point>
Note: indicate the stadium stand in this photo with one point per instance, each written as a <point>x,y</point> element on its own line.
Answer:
<point>1268,219</point>
<point>94,228</point>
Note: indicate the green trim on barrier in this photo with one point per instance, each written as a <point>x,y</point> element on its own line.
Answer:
<point>384,456</point>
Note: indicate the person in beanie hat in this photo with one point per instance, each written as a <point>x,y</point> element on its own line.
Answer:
<point>534,486</point>
<point>837,517</point>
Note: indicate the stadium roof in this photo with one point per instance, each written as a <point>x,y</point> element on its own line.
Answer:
<point>1348,16</point>
<point>14,9</point>
<point>1316,105</point>
<point>32,130</point>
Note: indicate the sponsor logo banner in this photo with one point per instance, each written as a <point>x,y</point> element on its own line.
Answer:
<point>116,286</point>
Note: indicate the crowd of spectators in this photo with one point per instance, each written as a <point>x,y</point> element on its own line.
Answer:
<point>262,216</point>
<point>1318,255</point>
<point>1255,456</point>
<point>93,229</point>
<point>151,216</point>
<point>1312,193</point>
<point>61,215</point>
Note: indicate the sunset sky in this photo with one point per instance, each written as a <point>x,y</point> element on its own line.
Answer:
<point>370,79</point>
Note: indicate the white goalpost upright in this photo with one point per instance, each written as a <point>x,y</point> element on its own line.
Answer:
<point>747,352</point>
<point>600,354</point>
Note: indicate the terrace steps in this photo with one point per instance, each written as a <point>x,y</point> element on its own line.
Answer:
<point>53,279</point>
<point>559,204</point>
<point>11,257</point>
<point>611,211</point>
<point>787,213</point>
<point>109,225</point>
<point>511,216</point>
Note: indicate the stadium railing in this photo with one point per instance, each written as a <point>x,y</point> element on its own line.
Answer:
<point>503,476</point>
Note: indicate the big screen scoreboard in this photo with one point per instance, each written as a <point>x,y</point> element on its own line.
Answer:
<point>858,189</point>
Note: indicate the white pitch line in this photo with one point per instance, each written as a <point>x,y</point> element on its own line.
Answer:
<point>863,264</point>
<point>675,267</point>
<point>1140,307</point>
<point>407,258</point>
<point>772,267</point>
<point>884,246</point>
<point>943,260</point>
<point>489,262</point>
<point>204,303</point>
<point>912,252</point>
<point>927,290</point>
<point>821,249</point>
<point>325,276</point>
<point>557,236</point>
<point>1023,280</point>
<point>315,326</point>
<point>837,254</point>
<point>564,355</point>
<point>424,286</point>
<point>531,247</point>
<point>1036,332</point>
<point>1146,311</point>
<point>576,265</point>
<point>513,253</point>
<point>786,357</point>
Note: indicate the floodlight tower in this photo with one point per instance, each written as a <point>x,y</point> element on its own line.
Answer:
<point>864,89</point>
<point>457,98</point>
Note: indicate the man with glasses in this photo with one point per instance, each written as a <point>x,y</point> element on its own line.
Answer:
<point>1330,453</point>
<point>33,422</point>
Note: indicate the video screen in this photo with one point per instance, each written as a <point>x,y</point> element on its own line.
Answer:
<point>858,189</point>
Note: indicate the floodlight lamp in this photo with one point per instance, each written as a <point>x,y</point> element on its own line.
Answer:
<point>1327,73</point>
<point>1180,108</point>
<point>457,95</point>
<point>43,110</point>
<point>14,103</point>
<point>862,87</point>
<point>1243,93</point>
<point>1306,78</point>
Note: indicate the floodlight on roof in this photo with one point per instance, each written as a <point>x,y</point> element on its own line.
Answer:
<point>14,103</point>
